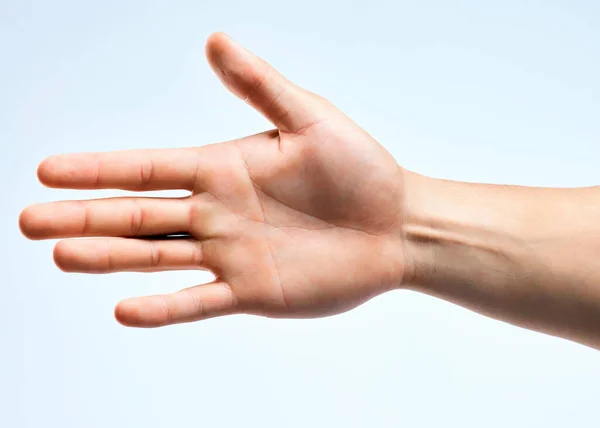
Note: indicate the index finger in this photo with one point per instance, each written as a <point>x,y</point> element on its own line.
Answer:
<point>156,169</point>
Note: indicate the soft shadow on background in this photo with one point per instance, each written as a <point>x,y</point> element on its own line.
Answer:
<point>502,92</point>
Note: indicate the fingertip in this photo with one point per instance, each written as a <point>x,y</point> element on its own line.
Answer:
<point>124,314</point>
<point>227,58</point>
<point>27,222</point>
<point>140,312</point>
<point>60,171</point>
<point>64,255</point>
<point>216,38</point>
<point>121,314</point>
<point>215,46</point>
<point>44,170</point>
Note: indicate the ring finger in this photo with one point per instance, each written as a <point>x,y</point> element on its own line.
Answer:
<point>106,255</point>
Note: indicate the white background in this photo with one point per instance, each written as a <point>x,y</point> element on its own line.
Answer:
<point>494,91</point>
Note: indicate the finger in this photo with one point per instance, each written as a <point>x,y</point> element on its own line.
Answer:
<point>106,255</point>
<point>105,217</point>
<point>191,304</point>
<point>127,170</point>
<point>287,106</point>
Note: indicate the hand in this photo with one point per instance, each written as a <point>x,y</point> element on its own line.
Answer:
<point>301,221</point>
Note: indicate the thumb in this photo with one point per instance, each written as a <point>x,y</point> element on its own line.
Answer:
<point>287,106</point>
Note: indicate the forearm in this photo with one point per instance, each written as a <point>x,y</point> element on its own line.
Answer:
<point>524,255</point>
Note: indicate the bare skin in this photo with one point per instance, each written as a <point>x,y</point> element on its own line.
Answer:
<point>314,218</point>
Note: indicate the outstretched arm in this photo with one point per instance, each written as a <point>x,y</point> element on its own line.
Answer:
<point>315,217</point>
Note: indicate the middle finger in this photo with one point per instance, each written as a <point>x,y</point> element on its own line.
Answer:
<point>126,216</point>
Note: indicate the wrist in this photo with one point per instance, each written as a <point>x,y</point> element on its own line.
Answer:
<point>459,233</point>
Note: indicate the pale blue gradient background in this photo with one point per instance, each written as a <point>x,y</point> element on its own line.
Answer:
<point>495,91</point>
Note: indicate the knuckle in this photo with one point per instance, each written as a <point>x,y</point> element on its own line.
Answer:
<point>155,255</point>
<point>147,171</point>
<point>136,218</point>
<point>109,255</point>
<point>200,213</point>
<point>85,218</point>
<point>167,309</point>
<point>255,84</point>
<point>196,257</point>
<point>197,304</point>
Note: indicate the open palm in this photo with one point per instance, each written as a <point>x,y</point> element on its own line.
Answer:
<point>303,220</point>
